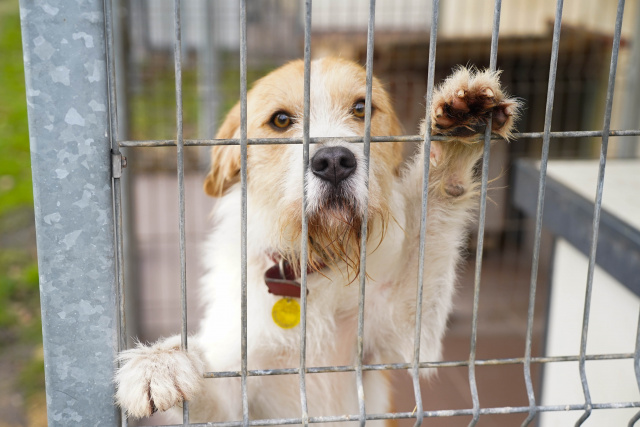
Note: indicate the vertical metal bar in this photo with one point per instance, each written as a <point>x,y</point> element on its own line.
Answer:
<point>208,78</point>
<point>415,370</point>
<point>305,222</point>
<point>243,228</point>
<point>628,145</point>
<point>363,232</point>
<point>636,368</point>
<point>124,191</point>
<point>111,74</point>
<point>540,206</point>
<point>208,74</point>
<point>177,57</point>
<point>117,183</point>
<point>481,223</point>
<point>596,212</point>
<point>119,240</point>
<point>69,133</point>
<point>113,135</point>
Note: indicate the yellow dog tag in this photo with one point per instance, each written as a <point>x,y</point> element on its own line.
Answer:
<point>286,313</point>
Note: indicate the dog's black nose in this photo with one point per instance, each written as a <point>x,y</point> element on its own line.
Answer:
<point>333,164</point>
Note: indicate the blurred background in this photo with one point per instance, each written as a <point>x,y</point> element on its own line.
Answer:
<point>146,110</point>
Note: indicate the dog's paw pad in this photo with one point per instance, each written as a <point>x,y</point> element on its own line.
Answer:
<point>501,114</point>
<point>463,105</point>
<point>155,379</point>
<point>453,185</point>
<point>466,112</point>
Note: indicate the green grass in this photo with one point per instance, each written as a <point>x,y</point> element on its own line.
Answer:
<point>15,171</point>
<point>152,107</point>
<point>230,85</point>
<point>18,271</point>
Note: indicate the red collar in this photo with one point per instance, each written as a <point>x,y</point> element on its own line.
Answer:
<point>281,278</point>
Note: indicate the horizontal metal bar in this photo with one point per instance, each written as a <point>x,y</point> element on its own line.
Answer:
<point>396,366</point>
<point>430,414</point>
<point>356,139</point>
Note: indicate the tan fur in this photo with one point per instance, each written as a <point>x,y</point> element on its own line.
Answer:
<point>225,159</point>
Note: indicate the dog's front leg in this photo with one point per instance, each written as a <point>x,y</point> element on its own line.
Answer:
<point>158,377</point>
<point>460,111</point>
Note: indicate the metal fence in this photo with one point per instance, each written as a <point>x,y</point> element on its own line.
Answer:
<point>81,244</point>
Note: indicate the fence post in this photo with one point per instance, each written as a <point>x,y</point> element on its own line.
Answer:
<point>66,82</point>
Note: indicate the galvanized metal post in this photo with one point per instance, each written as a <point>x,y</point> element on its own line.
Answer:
<point>66,81</point>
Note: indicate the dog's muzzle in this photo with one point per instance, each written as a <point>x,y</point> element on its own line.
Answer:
<point>333,164</point>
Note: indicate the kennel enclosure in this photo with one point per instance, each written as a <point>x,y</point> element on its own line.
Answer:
<point>70,66</point>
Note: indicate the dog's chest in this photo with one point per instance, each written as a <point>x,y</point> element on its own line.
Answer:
<point>333,316</point>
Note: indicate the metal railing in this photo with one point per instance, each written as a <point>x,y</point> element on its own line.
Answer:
<point>57,403</point>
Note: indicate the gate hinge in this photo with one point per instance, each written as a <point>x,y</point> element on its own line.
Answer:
<point>118,162</point>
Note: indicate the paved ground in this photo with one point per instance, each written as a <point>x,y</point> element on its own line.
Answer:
<point>501,325</point>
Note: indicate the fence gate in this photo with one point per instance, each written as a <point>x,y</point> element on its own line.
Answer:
<point>77,165</point>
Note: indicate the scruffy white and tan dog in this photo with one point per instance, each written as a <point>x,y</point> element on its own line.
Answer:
<point>161,375</point>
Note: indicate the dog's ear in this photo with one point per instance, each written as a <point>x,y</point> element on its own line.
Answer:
<point>225,159</point>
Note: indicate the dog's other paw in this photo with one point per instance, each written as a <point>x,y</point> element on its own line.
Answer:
<point>463,103</point>
<point>155,378</point>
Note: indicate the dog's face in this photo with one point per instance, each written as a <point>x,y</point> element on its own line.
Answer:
<point>336,176</point>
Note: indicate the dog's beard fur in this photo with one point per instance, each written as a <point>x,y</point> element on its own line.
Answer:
<point>335,234</point>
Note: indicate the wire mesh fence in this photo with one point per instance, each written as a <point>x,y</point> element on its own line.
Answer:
<point>426,25</point>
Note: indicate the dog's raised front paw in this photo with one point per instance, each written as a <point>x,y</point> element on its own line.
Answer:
<point>157,377</point>
<point>463,103</point>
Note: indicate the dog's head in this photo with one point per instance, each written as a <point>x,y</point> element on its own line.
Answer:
<point>336,176</point>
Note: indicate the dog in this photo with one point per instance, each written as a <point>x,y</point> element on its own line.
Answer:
<point>159,376</point>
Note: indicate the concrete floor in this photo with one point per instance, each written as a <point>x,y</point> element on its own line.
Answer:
<point>502,318</point>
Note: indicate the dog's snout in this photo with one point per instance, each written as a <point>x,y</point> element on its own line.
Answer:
<point>333,164</point>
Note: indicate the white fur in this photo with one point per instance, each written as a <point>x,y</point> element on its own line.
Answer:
<point>332,308</point>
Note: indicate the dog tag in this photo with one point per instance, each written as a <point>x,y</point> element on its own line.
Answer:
<point>286,313</point>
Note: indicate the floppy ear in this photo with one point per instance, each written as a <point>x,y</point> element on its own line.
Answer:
<point>225,159</point>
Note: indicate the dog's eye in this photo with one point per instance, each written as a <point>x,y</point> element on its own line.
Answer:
<point>281,120</point>
<point>358,109</point>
